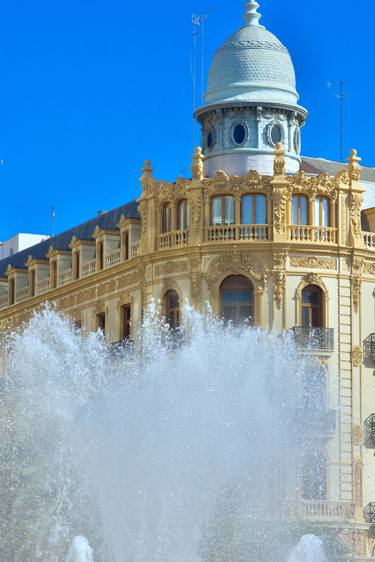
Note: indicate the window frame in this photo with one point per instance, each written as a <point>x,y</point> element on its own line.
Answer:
<point>311,307</point>
<point>237,306</point>
<point>222,198</point>
<point>166,218</point>
<point>321,199</point>
<point>300,197</point>
<point>254,208</point>
<point>186,214</point>
<point>174,310</point>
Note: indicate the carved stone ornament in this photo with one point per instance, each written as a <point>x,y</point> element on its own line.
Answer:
<point>311,262</point>
<point>356,292</point>
<point>311,279</point>
<point>357,356</point>
<point>369,267</point>
<point>354,167</point>
<point>279,288</point>
<point>279,165</point>
<point>169,267</point>
<point>197,166</point>
<point>358,435</point>
<point>237,262</point>
<point>357,481</point>
<point>280,199</point>
<point>195,201</point>
<point>355,214</point>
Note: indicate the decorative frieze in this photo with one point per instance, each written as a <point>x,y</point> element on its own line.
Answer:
<point>169,267</point>
<point>311,262</point>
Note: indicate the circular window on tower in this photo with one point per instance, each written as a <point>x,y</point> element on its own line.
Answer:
<point>210,138</point>
<point>239,133</point>
<point>297,140</point>
<point>275,134</point>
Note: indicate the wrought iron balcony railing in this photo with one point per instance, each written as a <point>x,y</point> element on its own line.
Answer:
<point>314,339</point>
<point>370,431</point>
<point>369,512</point>
<point>369,347</point>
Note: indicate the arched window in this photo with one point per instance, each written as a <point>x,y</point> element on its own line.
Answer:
<point>222,210</point>
<point>300,210</point>
<point>172,309</point>
<point>183,218</point>
<point>322,217</point>
<point>312,307</point>
<point>237,299</point>
<point>254,209</point>
<point>314,476</point>
<point>166,218</point>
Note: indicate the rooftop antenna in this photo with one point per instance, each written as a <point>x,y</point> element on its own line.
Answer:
<point>341,97</point>
<point>198,21</point>
<point>53,215</point>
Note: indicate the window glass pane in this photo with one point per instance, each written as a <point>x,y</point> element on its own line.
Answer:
<point>295,217</point>
<point>260,210</point>
<point>247,209</point>
<point>317,211</point>
<point>216,211</point>
<point>229,210</point>
<point>325,212</point>
<point>305,317</point>
<point>303,210</point>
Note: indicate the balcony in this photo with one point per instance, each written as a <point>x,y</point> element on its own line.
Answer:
<point>370,431</point>
<point>316,234</point>
<point>134,249</point>
<point>113,258</point>
<point>322,511</point>
<point>369,240</point>
<point>175,238</point>
<point>369,347</point>
<point>88,267</point>
<point>65,277</point>
<point>314,339</point>
<point>43,286</point>
<point>369,512</point>
<point>240,232</point>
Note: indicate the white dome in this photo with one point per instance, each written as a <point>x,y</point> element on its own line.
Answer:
<point>252,66</point>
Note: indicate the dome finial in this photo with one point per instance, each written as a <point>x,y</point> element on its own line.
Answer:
<point>251,15</point>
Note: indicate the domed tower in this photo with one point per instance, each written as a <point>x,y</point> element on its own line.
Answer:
<point>251,103</point>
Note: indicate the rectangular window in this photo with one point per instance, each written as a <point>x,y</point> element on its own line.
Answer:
<point>299,210</point>
<point>125,322</point>
<point>216,211</point>
<point>100,322</point>
<point>229,210</point>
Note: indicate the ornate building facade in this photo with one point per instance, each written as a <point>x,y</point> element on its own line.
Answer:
<point>260,235</point>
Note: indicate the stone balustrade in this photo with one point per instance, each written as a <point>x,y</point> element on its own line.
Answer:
<point>369,240</point>
<point>22,294</point>
<point>175,238</point>
<point>244,232</point>
<point>134,249</point>
<point>4,300</point>
<point>322,511</point>
<point>317,234</point>
<point>113,258</point>
<point>43,285</point>
<point>88,267</point>
<point>65,276</point>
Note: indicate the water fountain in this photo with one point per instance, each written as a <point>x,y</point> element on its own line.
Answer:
<point>308,549</point>
<point>80,550</point>
<point>156,453</point>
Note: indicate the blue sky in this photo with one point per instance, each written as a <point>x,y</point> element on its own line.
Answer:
<point>90,89</point>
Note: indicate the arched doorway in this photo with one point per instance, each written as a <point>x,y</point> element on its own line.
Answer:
<point>172,309</point>
<point>237,299</point>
